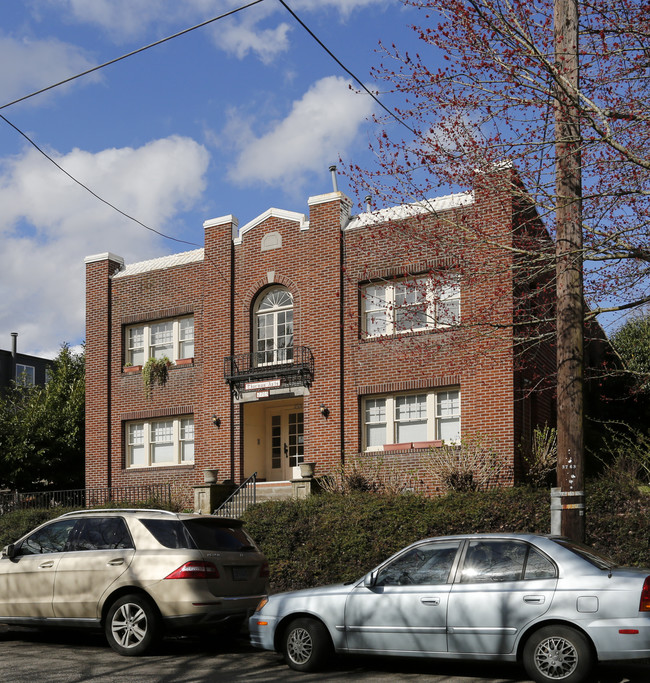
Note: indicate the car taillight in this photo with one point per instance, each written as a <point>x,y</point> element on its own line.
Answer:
<point>264,571</point>
<point>644,605</point>
<point>195,570</point>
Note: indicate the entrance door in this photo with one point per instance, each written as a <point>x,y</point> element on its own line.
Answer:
<point>286,443</point>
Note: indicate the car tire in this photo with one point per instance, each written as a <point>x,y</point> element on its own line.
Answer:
<point>132,625</point>
<point>558,653</point>
<point>306,644</point>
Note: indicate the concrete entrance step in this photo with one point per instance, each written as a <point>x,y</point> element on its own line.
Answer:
<point>272,490</point>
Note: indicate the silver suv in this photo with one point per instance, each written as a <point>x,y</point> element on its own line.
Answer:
<point>134,573</point>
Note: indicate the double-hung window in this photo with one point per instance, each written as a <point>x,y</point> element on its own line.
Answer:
<point>412,417</point>
<point>173,339</point>
<point>410,304</point>
<point>160,442</point>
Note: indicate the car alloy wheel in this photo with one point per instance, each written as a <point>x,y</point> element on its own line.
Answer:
<point>132,625</point>
<point>306,644</point>
<point>558,653</point>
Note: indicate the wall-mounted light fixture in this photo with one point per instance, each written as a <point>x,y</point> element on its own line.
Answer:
<point>324,411</point>
<point>216,421</point>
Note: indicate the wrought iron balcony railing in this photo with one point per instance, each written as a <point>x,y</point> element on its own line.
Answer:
<point>293,366</point>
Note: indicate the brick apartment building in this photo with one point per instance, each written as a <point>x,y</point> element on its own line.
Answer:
<point>313,339</point>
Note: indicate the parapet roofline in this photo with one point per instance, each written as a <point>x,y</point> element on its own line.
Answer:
<point>392,213</point>
<point>403,211</point>
<point>161,263</point>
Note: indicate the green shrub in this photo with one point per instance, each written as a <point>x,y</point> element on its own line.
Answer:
<point>333,538</point>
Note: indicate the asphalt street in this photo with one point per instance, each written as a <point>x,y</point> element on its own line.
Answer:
<point>35,656</point>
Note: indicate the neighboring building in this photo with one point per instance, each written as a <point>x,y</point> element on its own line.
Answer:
<point>22,368</point>
<point>313,339</point>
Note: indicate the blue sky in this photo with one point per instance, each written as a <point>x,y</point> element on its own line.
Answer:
<point>233,118</point>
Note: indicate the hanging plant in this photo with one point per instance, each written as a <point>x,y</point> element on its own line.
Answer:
<point>155,371</point>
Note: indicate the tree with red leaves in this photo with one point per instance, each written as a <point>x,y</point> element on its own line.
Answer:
<point>560,90</point>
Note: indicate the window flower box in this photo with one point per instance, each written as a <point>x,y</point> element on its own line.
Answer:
<point>427,444</point>
<point>184,361</point>
<point>131,369</point>
<point>398,446</point>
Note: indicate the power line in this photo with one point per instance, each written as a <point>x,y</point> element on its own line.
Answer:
<point>345,68</point>
<point>130,54</point>
<point>94,194</point>
<point>96,68</point>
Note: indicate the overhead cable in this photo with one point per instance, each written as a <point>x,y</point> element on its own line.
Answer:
<point>345,68</point>
<point>94,194</point>
<point>130,54</point>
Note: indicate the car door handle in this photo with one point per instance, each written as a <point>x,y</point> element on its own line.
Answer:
<point>534,599</point>
<point>48,564</point>
<point>430,600</point>
<point>115,563</point>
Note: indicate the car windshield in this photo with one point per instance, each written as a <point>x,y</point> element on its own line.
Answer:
<point>592,556</point>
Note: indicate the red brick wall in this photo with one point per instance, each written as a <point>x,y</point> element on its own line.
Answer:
<point>347,366</point>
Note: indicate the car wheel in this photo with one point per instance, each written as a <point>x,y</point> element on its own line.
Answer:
<point>306,645</point>
<point>132,625</point>
<point>558,653</point>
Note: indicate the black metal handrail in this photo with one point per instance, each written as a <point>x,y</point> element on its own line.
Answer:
<point>240,499</point>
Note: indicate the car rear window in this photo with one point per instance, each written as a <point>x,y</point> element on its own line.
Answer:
<point>211,534</point>
<point>170,533</point>
<point>586,553</point>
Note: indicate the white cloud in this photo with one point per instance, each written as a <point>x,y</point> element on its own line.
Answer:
<point>245,37</point>
<point>49,224</point>
<point>252,30</point>
<point>34,64</point>
<point>319,128</point>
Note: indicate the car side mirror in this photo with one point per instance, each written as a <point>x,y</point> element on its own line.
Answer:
<point>9,551</point>
<point>370,579</point>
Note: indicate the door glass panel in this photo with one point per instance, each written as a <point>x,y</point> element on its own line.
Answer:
<point>276,441</point>
<point>296,439</point>
<point>428,564</point>
<point>102,533</point>
<point>493,561</point>
<point>50,539</point>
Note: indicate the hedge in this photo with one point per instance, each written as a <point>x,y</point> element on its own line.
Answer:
<point>330,538</point>
<point>333,538</point>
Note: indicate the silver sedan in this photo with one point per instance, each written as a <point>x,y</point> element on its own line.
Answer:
<point>553,605</point>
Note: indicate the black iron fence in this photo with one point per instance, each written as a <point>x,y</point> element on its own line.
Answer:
<point>155,495</point>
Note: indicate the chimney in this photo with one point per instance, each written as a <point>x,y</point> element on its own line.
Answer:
<point>14,345</point>
<point>334,183</point>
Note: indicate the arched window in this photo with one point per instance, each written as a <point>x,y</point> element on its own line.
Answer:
<point>274,327</point>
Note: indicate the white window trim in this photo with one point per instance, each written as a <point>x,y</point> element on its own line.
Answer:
<point>147,442</point>
<point>434,295</point>
<point>391,421</point>
<point>146,343</point>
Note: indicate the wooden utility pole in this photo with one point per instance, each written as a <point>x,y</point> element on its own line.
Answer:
<point>569,262</point>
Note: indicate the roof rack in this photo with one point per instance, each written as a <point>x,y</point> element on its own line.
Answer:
<point>101,511</point>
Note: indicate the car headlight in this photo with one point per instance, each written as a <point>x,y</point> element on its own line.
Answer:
<point>261,604</point>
